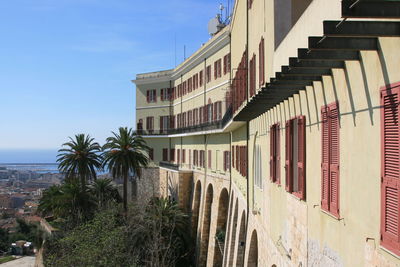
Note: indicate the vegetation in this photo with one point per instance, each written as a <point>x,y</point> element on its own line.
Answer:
<point>151,236</point>
<point>125,152</point>
<point>73,204</point>
<point>94,230</point>
<point>24,231</point>
<point>80,159</point>
<point>6,259</point>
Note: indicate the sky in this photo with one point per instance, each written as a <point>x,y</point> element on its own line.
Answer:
<point>66,65</point>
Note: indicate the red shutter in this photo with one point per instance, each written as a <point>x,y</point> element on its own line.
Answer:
<point>155,95</point>
<point>172,155</point>
<point>272,153</point>
<point>334,159</point>
<point>220,110</point>
<point>289,156</point>
<point>301,167</point>
<point>390,170</point>
<point>278,153</point>
<point>162,95</point>
<point>237,158</point>
<point>325,159</point>
<point>148,96</point>
<point>233,156</point>
<point>183,156</point>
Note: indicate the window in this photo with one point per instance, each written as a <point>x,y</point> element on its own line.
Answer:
<point>233,156</point>
<point>202,158</point>
<point>227,63</point>
<point>209,159</point>
<point>178,153</point>
<point>164,123</point>
<point>201,78</point>
<point>252,67</point>
<point>196,116</point>
<point>195,158</point>
<point>172,155</point>
<point>257,168</point>
<point>166,94</point>
<point>250,2</point>
<point>330,159</point>
<point>150,124</point>
<point>151,96</point>
<point>241,160</point>
<point>209,117</point>
<point>165,154</point>
<point>208,74</point>
<point>390,171</point>
<point>183,156</point>
<point>275,157</point>
<point>261,63</point>
<point>227,161</point>
<point>295,156</point>
<point>151,154</point>
<point>217,69</point>
<point>190,85</point>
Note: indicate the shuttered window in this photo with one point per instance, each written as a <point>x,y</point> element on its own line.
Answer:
<point>151,96</point>
<point>208,74</point>
<point>390,170</point>
<point>295,157</point>
<point>275,153</point>
<point>330,159</point>
<point>201,76</point>
<point>151,154</point>
<point>261,63</point>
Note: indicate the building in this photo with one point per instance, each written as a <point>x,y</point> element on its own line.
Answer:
<point>282,132</point>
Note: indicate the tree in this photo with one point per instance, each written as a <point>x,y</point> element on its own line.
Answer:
<point>68,201</point>
<point>80,159</point>
<point>125,153</point>
<point>159,234</point>
<point>105,192</point>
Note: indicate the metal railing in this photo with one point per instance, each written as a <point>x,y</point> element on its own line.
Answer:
<point>207,126</point>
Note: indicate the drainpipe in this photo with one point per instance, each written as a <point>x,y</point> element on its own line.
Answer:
<point>247,128</point>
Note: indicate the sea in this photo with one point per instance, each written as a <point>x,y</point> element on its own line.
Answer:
<point>40,160</point>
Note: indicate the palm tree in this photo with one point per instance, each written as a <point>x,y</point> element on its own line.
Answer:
<point>105,192</point>
<point>80,159</point>
<point>124,153</point>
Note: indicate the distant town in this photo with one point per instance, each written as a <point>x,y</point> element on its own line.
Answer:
<point>21,187</point>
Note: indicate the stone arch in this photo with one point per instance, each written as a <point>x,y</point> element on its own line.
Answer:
<point>220,235</point>
<point>233,234</point>
<point>196,209</point>
<point>241,241</point>
<point>205,233</point>
<point>252,260</point>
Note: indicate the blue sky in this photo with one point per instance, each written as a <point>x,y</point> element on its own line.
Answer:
<point>66,65</point>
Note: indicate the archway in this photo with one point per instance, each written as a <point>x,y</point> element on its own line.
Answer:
<point>220,234</point>
<point>233,235</point>
<point>241,241</point>
<point>252,260</point>
<point>196,209</point>
<point>205,234</point>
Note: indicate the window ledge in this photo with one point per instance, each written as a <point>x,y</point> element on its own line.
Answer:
<point>331,215</point>
<point>389,252</point>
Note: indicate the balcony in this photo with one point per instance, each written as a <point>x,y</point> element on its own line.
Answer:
<point>208,126</point>
<point>169,165</point>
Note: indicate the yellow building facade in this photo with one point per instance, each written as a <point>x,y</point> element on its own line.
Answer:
<point>281,134</point>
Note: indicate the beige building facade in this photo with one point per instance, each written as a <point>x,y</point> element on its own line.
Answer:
<point>281,135</point>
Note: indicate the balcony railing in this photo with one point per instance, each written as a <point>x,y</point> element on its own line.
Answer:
<point>208,126</point>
